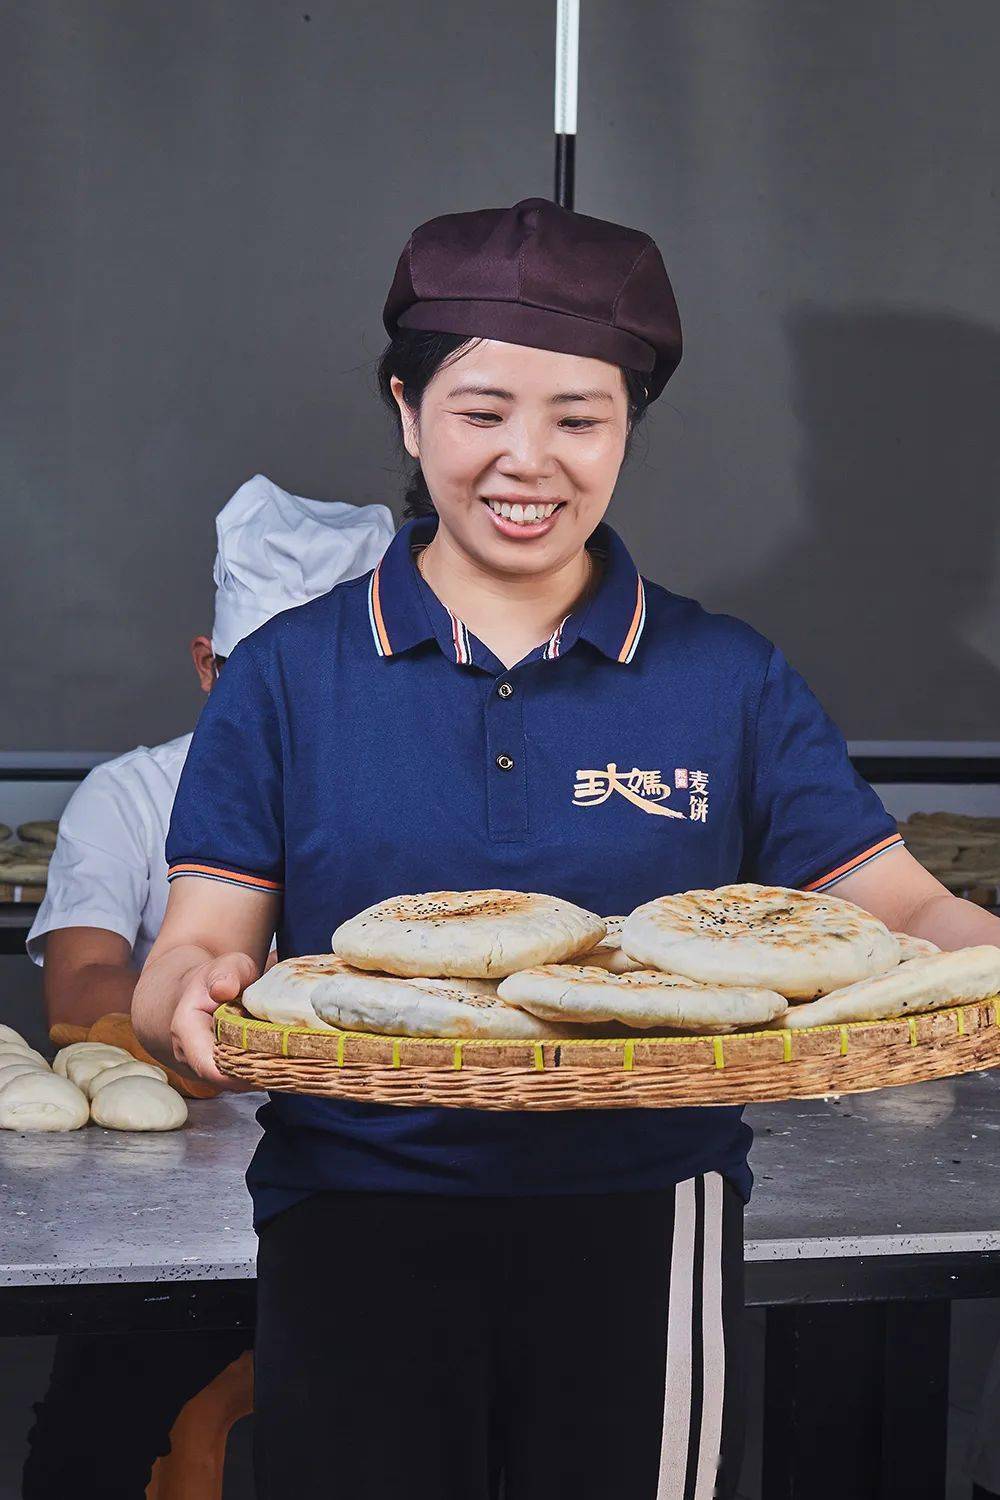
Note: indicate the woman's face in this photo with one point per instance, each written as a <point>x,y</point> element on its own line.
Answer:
<point>520,449</point>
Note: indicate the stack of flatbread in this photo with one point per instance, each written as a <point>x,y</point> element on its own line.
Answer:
<point>429,965</point>
<point>963,852</point>
<point>24,870</point>
<point>505,964</point>
<point>41,833</point>
<point>749,956</point>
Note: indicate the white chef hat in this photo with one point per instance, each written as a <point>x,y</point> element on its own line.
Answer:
<point>277,550</point>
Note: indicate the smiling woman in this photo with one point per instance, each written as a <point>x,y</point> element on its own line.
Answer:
<point>413,359</point>
<point>504,704</point>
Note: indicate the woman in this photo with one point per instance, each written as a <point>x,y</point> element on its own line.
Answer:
<point>504,702</point>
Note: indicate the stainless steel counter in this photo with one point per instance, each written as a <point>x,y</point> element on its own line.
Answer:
<point>903,1172</point>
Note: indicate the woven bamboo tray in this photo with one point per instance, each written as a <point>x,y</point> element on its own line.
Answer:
<point>644,1072</point>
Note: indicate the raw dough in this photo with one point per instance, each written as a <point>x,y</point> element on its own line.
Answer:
<point>81,1049</point>
<point>11,1038</point>
<point>84,1068</point>
<point>133,1069</point>
<point>18,1054</point>
<point>139,1104</point>
<point>42,1101</point>
<point>9,1070</point>
<point>466,934</point>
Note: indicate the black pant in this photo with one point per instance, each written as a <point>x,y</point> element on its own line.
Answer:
<point>111,1402</point>
<point>585,1347</point>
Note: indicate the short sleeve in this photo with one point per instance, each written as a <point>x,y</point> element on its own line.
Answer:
<point>812,819</point>
<point>227,815</point>
<point>99,872</point>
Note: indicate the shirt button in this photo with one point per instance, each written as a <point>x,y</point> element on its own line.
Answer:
<point>505,690</point>
<point>505,763</point>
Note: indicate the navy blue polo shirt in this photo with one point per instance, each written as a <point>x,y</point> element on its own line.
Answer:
<point>367,744</point>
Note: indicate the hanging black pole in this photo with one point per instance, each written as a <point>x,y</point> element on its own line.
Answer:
<point>567,67</point>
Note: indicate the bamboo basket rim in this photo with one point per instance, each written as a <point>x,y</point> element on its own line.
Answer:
<point>248,1023</point>
<point>612,1072</point>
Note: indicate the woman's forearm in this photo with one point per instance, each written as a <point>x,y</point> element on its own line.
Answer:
<point>161,985</point>
<point>953,923</point>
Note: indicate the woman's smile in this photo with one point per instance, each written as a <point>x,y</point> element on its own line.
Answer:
<point>522,520</point>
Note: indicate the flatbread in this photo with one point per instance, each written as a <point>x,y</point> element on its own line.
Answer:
<point>281,994</point>
<point>466,934</point>
<point>644,998</point>
<point>914,947</point>
<point>768,937</point>
<point>460,1008</point>
<point>42,831</point>
<point>24,864</point>
<point>966,822</point>
<point>609,953</point>
<point>942,979</point>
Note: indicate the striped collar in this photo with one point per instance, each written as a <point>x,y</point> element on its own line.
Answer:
<point>403,611</point>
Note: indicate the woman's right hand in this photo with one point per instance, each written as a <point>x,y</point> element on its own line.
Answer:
<point>192,1031</point>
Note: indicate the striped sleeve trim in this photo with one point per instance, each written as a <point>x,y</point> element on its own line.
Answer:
<point>857,863</point>
<point>635,628</point>
<point>228,877</point>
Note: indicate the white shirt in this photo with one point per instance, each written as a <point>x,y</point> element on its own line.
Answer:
<point>109,869</point>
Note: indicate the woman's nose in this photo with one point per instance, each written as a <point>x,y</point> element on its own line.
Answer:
<point>526,451</point>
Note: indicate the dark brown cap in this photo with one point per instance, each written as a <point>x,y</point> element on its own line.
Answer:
<point>538,274</point>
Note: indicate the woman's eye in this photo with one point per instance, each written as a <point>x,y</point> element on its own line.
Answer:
<point>482,416</point>
<point>578,424</point>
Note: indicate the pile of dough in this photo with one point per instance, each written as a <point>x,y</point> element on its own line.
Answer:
<point>91,1080</point>
<point>42,1101</point>
<point>138,1104</point>
<point>65,1055</point>
<point>131,1069</point>
<point>11,1038</point>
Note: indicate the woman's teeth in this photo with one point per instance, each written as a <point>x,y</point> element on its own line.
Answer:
<point>521,514</point>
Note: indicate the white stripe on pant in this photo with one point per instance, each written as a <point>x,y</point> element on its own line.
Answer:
<point>696,1365</point>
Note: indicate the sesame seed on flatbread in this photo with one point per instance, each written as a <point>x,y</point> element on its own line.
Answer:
<point>282,993</point>
<point>930,983</point>
<point>798,943</point>
<point>644,998</point>
<point>609,954</point>
<point>459,1008</point>
<point>465,934</point>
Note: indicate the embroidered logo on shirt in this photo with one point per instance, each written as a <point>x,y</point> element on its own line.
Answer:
<point>644,789</point>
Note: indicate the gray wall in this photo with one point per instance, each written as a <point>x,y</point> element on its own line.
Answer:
<point>205,204</point>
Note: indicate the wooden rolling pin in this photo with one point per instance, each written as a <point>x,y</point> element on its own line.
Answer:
<point>115,1029</point>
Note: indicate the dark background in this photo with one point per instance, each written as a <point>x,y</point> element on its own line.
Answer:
<point>204,205</point>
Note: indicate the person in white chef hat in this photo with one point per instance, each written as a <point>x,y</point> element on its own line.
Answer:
<point>107,884</point>
<point>106,896</point>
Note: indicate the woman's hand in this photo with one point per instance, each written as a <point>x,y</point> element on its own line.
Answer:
<point>192,1032</point>
<point>188,974</point>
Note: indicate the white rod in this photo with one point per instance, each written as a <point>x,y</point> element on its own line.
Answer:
<point>567,64</point>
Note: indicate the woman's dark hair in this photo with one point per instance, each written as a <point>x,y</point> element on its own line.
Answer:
<point>416,357</point>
